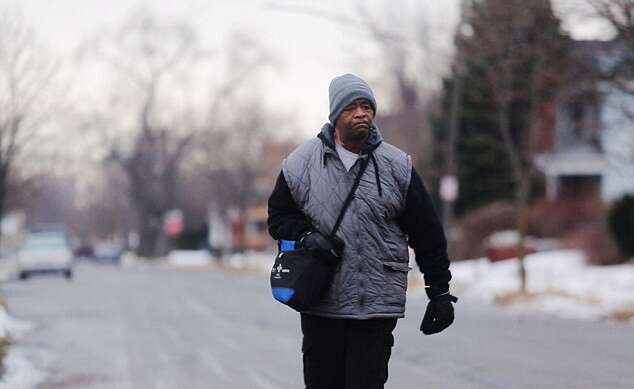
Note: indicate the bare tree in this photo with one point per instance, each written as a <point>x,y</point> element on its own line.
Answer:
<point>619,15</point>
<point>234,153</point>
<point>26,78</point>
<point>521,53</point>
<point>148,55</point>
<point>213,133</point>
<point>102,210</point>
<point>237,126</point>
<point>412,60</point>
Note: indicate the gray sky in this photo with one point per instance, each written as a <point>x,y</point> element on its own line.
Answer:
<point>311,50</point>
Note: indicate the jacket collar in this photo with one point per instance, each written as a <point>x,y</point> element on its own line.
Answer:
<point>327,136</point>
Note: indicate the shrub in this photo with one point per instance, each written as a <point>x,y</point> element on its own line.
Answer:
<point>621,224</point>
<point>595,242</point>
<point>560,218</point>
<point>579,222</point>
<point>582,224</point>
<point>476,226</point>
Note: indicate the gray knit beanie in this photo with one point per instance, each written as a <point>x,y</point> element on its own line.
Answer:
<point>344,90</point>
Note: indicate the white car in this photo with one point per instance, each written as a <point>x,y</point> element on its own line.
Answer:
<point>45,252</point>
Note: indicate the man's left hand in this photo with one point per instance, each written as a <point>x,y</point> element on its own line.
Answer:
<point>327,249</point>
<point>439,314</point>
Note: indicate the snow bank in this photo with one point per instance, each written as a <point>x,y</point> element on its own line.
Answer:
<point>250,260</point>
<point>10,327</point>
<point>245,261</point>
<point>8,268</point>
<point>19,371</point>
<point>4,323</point>
<point>189,258</point>
<point>558,282</point>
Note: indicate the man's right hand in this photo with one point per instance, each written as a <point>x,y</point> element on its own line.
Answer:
<point>326,249</point>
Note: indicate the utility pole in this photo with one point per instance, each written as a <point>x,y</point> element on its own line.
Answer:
<point>449,181</point>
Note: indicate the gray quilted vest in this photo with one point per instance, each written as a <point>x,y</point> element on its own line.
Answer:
<point>372,279</point>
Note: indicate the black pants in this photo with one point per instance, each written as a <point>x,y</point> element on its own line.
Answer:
<point>345,353</point>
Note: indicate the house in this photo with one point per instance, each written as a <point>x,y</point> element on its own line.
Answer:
<point>573,153</point>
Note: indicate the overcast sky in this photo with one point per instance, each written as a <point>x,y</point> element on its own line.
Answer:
<point>311,50</point>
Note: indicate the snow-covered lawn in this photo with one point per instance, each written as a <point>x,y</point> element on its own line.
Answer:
<point>558,282</point>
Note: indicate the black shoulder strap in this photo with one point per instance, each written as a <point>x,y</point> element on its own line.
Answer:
<point>346,204</point>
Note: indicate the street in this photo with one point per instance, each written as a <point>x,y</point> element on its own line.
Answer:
<point>168,328</point>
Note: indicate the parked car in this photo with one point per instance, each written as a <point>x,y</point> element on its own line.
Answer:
<point>502,245</point>
<point>108,252</point>
<point>45,252</point>
<point>84,251</point>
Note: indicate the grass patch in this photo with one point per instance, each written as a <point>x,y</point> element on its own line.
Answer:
<point>622,314</point>
<point>4,349</point>
<point>521,297</point>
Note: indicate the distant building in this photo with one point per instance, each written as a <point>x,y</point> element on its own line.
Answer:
<point>273,152</point>
<point>247,229</point>
<point>571,150</point>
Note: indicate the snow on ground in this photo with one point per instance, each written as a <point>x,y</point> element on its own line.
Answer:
<point>558,282</point>
<point>189,258</point>
<point>250,260</point>
<point>19,371</point>
<point>202,259</point>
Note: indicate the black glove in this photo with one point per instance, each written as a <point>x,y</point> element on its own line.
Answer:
<point>439,314</point>
<point>325,248</point>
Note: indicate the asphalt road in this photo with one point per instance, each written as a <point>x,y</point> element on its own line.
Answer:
<point>160,328</point>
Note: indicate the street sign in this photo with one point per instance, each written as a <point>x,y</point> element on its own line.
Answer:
<point>173,222</point>
<point>449,188</point>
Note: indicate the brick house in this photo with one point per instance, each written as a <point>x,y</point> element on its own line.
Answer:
<point>571,149</point>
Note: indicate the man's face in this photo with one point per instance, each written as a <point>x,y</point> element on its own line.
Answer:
<point>353,125</point>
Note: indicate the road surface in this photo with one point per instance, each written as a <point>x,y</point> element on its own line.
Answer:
<point>167,328</point>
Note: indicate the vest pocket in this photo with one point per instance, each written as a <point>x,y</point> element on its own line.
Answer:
<point>395,282</point>
<point>397,266</point>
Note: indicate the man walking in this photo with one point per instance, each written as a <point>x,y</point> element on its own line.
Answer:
<point>348,334</point>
